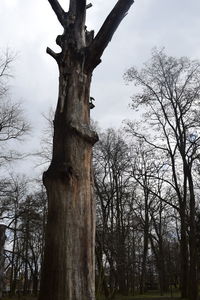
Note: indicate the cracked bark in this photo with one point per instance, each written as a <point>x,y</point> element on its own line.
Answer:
<point>68,267</point>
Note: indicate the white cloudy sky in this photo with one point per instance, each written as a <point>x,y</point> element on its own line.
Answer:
<point>29,26</point>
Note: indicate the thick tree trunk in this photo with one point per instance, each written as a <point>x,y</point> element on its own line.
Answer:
<point>70,228</point>
<point>68,266</point>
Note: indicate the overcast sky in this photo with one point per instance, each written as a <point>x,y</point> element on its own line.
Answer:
<point>29,26</point>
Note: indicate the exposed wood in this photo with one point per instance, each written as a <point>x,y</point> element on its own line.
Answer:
<point>69,269</point>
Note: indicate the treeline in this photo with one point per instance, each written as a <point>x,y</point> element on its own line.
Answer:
<point>23,201</point>
<point>146,188</point>
<point>25,215</point>
<point>138,228</point>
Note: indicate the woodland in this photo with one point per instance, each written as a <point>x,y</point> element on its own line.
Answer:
<point>117,214</point>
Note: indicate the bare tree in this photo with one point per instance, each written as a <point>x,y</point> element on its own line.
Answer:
<point>12,201</point>
<point>143,166</point>
<point>113,193</point>
<point>25,216</point>
<point>6,60</point>
<point>68,268</point>
<point>46,142</point>
<point>13,124</point>
<point>170,93</point>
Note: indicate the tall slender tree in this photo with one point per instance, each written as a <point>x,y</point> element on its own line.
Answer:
<point>2,241</point>
<point>68,267</point>
<point>170,93</point>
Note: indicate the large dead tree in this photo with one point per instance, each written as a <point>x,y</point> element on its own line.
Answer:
<point>68,268</point>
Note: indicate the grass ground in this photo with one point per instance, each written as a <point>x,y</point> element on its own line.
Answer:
<point>141,297</point>
<point>20,298</point>
<point>150,295</point>
<point>153,295</point>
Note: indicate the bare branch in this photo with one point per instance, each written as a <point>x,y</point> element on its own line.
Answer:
<point>89,5</point>
<point>107,30</point>
<point>157,195</point>
<point>52,53</point>
<point>59,11</point>
<point>6,60</point>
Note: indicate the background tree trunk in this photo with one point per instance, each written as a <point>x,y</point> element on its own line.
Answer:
<point>2,242</point>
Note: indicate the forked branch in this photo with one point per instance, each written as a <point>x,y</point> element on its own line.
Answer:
<point>59,11</point>
<point>108,28</point>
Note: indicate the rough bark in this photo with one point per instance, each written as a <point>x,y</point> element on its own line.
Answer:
<point>69,253</point>
<point>68,266</point>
